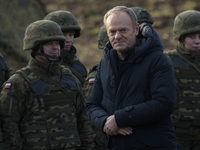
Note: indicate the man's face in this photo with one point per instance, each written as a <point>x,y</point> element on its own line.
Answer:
<point>69,40</point>
<point>51,48</point>
<point>120,31</point>
<point>192,42</point>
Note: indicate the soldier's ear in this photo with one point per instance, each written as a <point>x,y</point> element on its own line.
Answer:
<point>35,50</point>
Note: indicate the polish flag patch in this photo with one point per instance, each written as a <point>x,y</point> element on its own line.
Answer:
<point>91,80</point>
<point>8,85</point>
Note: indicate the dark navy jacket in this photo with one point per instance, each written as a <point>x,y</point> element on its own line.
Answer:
<point>140,92</point>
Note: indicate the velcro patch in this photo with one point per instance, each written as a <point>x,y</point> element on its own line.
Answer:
<point>91,80</point>
<point>8,85</point>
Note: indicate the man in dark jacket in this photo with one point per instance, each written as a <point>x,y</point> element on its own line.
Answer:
<point>142,16</point>
<point>134,90</point>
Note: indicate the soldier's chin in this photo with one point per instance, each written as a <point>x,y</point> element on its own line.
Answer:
<point>67,48</point>
<point>53,59</point>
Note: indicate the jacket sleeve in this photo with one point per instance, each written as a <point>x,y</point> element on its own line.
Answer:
<point>85,130</point>
<point>162,93</point>
<point>95,111</point>
<point>12,99</point>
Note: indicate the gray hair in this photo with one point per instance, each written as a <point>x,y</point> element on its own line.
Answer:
<point>129,11</point>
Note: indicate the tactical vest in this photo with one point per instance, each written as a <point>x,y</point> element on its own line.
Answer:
<point>79,67</point>
<point>188,93</point>
<point>51,122</point>
<point>187,107</point>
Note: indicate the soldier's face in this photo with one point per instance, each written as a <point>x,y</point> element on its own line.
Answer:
<point>120,31</point>
<point>69,40</point>
<point>192,42</point>
<point>51,48</point>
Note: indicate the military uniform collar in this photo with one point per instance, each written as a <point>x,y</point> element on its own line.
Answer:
<point>46,68</point>
<point>190,55</point>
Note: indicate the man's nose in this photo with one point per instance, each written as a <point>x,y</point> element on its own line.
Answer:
<point>197,39</point>
<point>118,35</point>
<point>55,45</point>
<point>67,38</point>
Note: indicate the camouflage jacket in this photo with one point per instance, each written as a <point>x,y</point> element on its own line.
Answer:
<point>44,119</point>
<point>90,80</point>
<point>70,59</point>
<point>186,66</point>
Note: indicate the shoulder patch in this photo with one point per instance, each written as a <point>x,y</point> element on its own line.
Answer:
<point>91,80</point>
<point>7,85</point>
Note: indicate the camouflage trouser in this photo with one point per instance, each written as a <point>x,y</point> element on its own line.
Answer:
<point>188,138</point>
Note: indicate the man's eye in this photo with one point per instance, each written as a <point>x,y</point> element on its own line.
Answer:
<point>191,36</point>
<point>71,34</point>
<point>49,43</point>
<point>112,32</point>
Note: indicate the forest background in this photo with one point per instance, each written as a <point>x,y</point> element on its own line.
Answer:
<point>16,15</point>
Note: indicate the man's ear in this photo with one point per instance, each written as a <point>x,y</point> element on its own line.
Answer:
<point>137,29</point>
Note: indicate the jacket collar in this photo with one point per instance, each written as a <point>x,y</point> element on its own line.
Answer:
<point>45,68</point>
<point>141,49</point>
<point>188,54</point>
<point>68,56</point>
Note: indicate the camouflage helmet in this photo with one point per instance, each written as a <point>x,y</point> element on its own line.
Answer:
<point>143,15</point>
<point>185,23</point>
<point>102,37</point>
<point>66,20</point>
<point>42,31</point>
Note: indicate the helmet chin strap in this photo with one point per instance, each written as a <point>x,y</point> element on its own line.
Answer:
<point>49,58</point>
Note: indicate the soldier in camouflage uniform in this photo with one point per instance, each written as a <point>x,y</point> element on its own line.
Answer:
<point>41,105</point>
<point>71,30</point>
<point>185,59</point>
<point>143,16</point>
